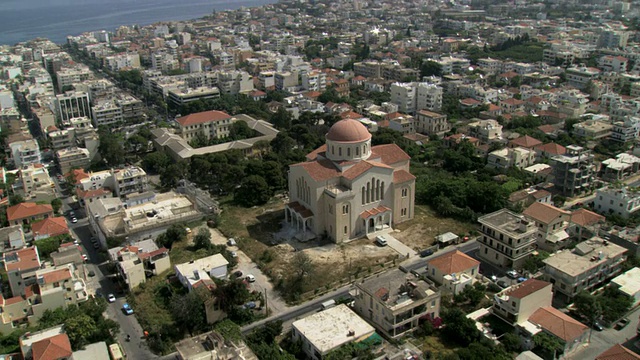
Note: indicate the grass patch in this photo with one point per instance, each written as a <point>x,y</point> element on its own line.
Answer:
<point>420,232</point>
<point>435,346</point>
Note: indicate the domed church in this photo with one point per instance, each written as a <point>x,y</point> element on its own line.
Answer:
<point>348,189</point>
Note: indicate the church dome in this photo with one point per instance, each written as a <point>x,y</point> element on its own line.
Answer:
<point>348,130</point>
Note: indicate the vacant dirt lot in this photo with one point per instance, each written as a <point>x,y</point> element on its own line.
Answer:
<point>256,231</point>
<point>420,232</point>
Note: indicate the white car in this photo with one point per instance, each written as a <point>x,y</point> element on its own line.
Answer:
<point>111,298</point>
<point>250,278</point>
<point>234,254</point>
<point>74,220</point>
<point>231,242</point>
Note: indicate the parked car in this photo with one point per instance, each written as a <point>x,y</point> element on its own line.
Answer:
<point>381,240</point>
<point>231,242</point>
<point>74,220</point>
<point>522,279</point>
<point>503,284</point>
<point>513,274</point>
<point>596,326</point>
<point>250,278</point>
<point>250,305</point>
<point>111,298</point>
<point>425,253</point>
<point>622,324</point>
<point>238,274</point>
<point>234,254</point>
<point>126,308</point>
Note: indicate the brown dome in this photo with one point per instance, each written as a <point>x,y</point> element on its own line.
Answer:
<point>348,130</point>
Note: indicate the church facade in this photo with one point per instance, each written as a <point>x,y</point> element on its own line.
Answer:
<point>348,189</point>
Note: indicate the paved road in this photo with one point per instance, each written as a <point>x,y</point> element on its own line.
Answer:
<point>601,341</point>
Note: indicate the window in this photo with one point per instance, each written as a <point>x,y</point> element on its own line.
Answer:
<point>345,230</point>
<point>339,151</point>
<point>349,151</point>
<point>405,191</point>
<point>345,209</point>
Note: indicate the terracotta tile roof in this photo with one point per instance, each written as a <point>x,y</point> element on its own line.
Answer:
<point>508,75</point>
<point>314,154</point>
<point>453,262</point>
<point>11,300</point>
<point>401,176</point>
<point>512,101</point>
<point>618,352</point>
<point>53,348</point>
<point>373,212</point>
<point>361,167</point>
<point>51,226</point>
<point>539,194</point>
<point>544,213</point>
<point>350,115</point>
<point>547,129</point>
<point>584,217</point>
<point>300,209</point>
<point>312,94</point>
<point>527,288</point>
<point>526,142</point>
<point>203,117</point>
<point>26,259</point>
<point>57,276</point>
<point>559,324</point>
<point>493,107</point>
<point>470,102</point>
<point>92,193</point>
<point>551,148</point>
<point>27,209</point>
<point>78,174</point>
<point>390,153</point>
<point>320,170</point>
<point>162,250</point>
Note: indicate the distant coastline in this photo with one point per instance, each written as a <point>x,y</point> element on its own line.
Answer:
<point>23,20</point>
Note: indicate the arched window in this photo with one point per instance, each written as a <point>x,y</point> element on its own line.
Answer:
<point>357,150</point>
<point>368,192</point>
<point>363,195</point>
<point>378,190</point>
<point>345,230</point>
<point>340,151</point>
<point>382,190</point>
<point>348,151</point>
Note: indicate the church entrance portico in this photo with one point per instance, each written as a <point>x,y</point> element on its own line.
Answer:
<point>300,219</point>
<point>376,219</point>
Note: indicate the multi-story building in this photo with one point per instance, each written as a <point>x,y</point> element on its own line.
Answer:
<point>61,139</point>
<point>552,224</point>
<point>70,158</point>
<point>431,123</point>
<point>403,124</point>
<point>415,96</point>
<point>574,171</point>
<point>507,239</point>
<point>235,82</point>
<point>394,302</point>
<point>454,270</point>
<point>20,266</point>
<point>593,129</point>
<point>627,130</point>
<point>613,63</point>
<point>106,113</point>
<point>506,158</point>
<point>589,265</point>
<point>25,152</point>
<point>266,80</point>
<point>122,61</point>
<point>34,177</point>
<point>209,124</point>
<point>516,304</point>
<point>181,96</point>
<point>286,81</point>
<point>72,104</point>
<point>201,271</point>
<point>27,212</point>
<point>313,80</point>
<point>622,202</point>
<point>580,77</point>
<point>330,329</point>
<point>129,180</point>
<point>132,261</point>
<point>69,77</point>
<point>611,38</point>
<point>486,130</point>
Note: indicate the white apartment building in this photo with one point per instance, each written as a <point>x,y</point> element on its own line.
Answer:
<point>70,158</point>
<point>613,63</point>
<point>122,61</point>
<point>580,77</point>
<point>611,38</point>
<point>235,82</point>
<point>68,77</point>
<point>415,96</point>
<point>486,130</point>
<point>34,177</point>
<point>429,122</point>
<point>589,265</point>
<point>60,139</point>
<point>313,80</point>
<point>627,130</point>
<point>622,202</point>
<point>106,113</point>
<point>506,158</point>
<point>507,239</point>
<point>72,104</point>
<point>25,152</point>
<point>266,79</point>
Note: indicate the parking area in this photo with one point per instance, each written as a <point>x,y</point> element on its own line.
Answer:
<point>397,246</point>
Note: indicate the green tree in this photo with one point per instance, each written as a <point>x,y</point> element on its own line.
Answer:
<point>511,342</point>
<point>79,329</point>
<point>587,306</point>
<point>188,310</point>
<point>56,204</point>
<point>202,240</point>
<point>458,328</point>
<point>430,68</point>
<point>15,199</point>
<point>253,190</point>
<point>111,147</point>
<point>548,344</point>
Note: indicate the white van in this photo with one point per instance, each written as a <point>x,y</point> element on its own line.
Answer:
<point>328,304</point>
<point>381,240</point>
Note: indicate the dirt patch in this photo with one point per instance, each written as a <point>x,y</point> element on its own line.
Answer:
<point>420,232</point>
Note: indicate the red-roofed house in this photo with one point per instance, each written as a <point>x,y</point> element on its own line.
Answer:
<point>454,270</point>
<point>526,142</point>
<point>552,224</point>
<point>342,87</point>
<point>212,124</point>
<point>546,151</point>
<point>49,227</point>
<point>618,352</point>
<point>515,304</point>
<point>56,347</point>
<point>336,190</point>
<point>20,266</point>
<point>26,212</point>
<point>551,321</point>
<point>512,105</point>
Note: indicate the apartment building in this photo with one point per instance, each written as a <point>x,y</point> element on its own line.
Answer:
<point>69,76</point>
<point>574,171</point>
<point>234,82</point>
<point>72,104</point>
<point>588,266</point>
<point>431,123</point>
<point>313,81</point>
<point>133,261</point>
<point>61,139</point>
<point>552,224</point>
<point>394,302</point>
<point>516,304</point>
<point>20,266</point>
<point>622,202</point>
<point>403,124</point>
<point>286,81</point>
<point>27,212</point>
<point>506,158</point>
<point>266,80</point>
<point>34,177</point>
<point>105,112</point>
<point>74,157</point>
<point>25,152</point>
<point>182,96</point>
<point>415,96</point>
<point>119,62</point>
<point>507,239</point>
<point>613,63</point>
<point>201,271</point>
<point>330,329</point>
<point>579,77</point>
<point>486,131</point>
<point>593,129</point>
<point>209,124</point>
<point>129,180</point>
<point>627,130</point>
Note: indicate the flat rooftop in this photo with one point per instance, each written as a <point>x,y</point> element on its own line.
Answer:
<point>585,256</point>
<point>629,282</point>
<point>506,221</point>
<point>397,289</point>
<point>333,328</point>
